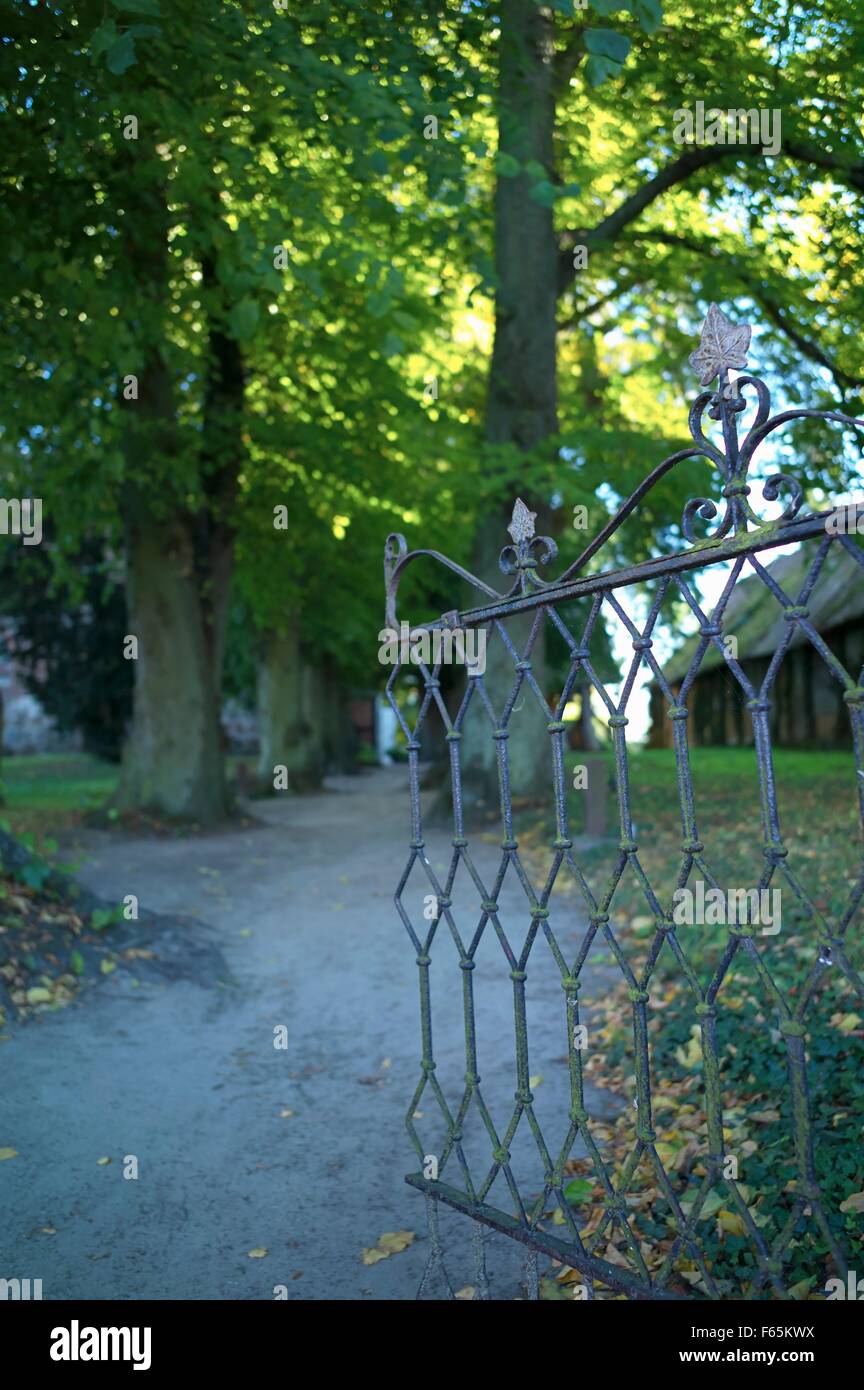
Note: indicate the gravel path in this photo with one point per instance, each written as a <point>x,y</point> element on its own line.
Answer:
<point>185,1076</point>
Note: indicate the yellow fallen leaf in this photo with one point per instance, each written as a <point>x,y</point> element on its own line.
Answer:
<point>285,1114</point>
<point>258,1253</point>
<point>732,1222</point>
<point>691,1056</point>
<point>103,1161</point>
<point>395,1241</point>
<point>535,1081</point>
<point>38,995</point>
<point>465,1294</point>
<point>371,1257</point>
<point>106,966</point>
<point>854,1203</point>
<point>48,1231</point>
<point>8,1153</point>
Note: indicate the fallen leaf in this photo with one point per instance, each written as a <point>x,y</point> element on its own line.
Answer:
<point>465,1294</point>
<point>8,1153</point>
<point>395,1241</point>
<point>691,1056</point>
<point>258,1253</point>
<point>854,1203</point>
<point>285,1114</point>
<point>732,1222</point>
<point>371,1257</point>
<point>103,1161</point>
<point>106,966</point>
<point>712,1204</point>
<point>535,1081</point>
<point>38,995</point>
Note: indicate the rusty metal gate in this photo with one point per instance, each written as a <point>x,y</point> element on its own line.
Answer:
<point>705,1232</point>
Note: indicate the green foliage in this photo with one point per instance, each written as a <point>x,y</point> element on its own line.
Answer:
<point>104,917</point>
<point>261,129</point>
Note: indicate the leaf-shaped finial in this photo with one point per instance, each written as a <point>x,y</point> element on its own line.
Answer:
<point>723,344</point>
<point>521,527</point>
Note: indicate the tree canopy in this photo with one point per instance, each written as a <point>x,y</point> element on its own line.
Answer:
<point>262,291</point>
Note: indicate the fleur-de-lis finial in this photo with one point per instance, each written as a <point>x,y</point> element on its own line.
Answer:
<point>723,345</point>
<point>521,527</point>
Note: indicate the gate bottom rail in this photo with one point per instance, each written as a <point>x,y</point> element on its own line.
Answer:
<point>545,1244</point>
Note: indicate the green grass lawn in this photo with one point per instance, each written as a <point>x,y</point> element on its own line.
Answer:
<point>818,813</point>
<point>48,792</point>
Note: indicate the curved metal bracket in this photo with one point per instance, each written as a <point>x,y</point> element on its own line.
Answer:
<point>723,349</point>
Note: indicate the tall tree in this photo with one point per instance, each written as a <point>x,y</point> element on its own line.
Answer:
<point>597,196</point>
<point>184,148</point>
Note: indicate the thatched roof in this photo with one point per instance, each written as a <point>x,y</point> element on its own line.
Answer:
<point>755,616</point>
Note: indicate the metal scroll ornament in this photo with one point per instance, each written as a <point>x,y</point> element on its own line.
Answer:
<point>721,356</point>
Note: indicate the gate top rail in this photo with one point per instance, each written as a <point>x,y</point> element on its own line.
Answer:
<point>723,349</point>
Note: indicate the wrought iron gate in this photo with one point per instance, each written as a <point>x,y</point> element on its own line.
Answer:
<point>581,1235</point>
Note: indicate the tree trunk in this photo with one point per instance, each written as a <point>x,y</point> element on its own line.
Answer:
<point>291,713</point>
<point>179,563</point>
<point>521,407</point>
<point>172,761</point>
<point>522,400</point>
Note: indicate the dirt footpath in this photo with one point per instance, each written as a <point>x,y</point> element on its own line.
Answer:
<point>297,1150</point>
